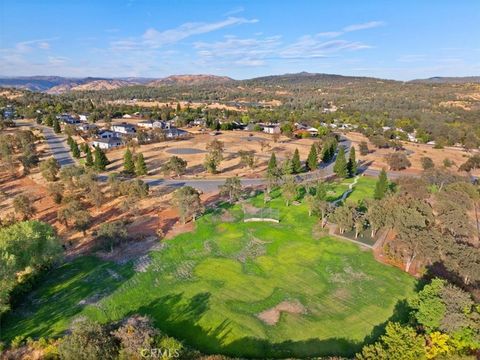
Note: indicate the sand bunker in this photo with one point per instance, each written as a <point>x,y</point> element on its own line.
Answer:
<point>272,316</point>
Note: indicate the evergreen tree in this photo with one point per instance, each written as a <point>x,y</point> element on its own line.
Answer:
<point>88,158</point>
<point>101,160</point>
<point>272,165</point>
<point>70,142</point>
<point>296,164</point>
<point>340,167</point>
<point>352,163</point>
<point>140,165</point>
<point>75,150</point>
<point>56,126</point>
<point>381,186</point>
<point>321,191</point>
<point>128,164</point>
<point>312,160</point>
<point>288,167</point>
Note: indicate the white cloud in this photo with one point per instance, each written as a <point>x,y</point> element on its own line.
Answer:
<point>154,39</point>
<point>364,26</point>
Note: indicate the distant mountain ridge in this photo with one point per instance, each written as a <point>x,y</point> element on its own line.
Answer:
<point>59,85</point>
<point>448,80</point>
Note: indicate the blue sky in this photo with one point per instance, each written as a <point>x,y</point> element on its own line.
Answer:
<point>242,39</point>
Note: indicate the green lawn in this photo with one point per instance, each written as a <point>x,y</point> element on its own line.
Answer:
<point>364,189</point>
<point>207,287</point>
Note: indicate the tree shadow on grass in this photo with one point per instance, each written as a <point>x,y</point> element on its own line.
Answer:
<point>60,295</point>
<point>179,317</point>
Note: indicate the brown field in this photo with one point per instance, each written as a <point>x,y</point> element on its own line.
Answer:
<point>156,154</point>
<point>183,104</point>
<point>377,157</point>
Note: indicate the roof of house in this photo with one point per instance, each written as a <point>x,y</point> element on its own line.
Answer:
<point>110,141</point>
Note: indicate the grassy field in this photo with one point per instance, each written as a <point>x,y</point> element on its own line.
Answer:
<point>364,189</point>
<point>207,288</point>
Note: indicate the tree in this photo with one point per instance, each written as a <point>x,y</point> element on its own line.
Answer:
<point>247,158</point>
<point>340,167</point>
<point>398,161</point>
<point>363,147</point>
<point>381,186</point>
<point>22,206</point>
<point>101,160</point>
<point>429,309</point>
<point>49,169</point>
<point>398,343</point>
<point>296,163</point>
<point>140,165</point>
<point>187,201</point>
<point>55,190</point>
<point>25,248</point>
<point>88,157</point>
<point>289,190</point>
<point>56,127</point>
<point>376,216</point>
<point>112,234</point>
<point>176,165</point>
<point>273,172</point>
<point>352,163</point>
<point>75,150</point>
<point>83,221</point>
<point>88,341</point>
<point>427,163</point>
<point>214,156</point>
<point>232,188</point>
<point>136,335</point>
<point>128,164</point>
<point>312,159</point>
<point>345,217</point>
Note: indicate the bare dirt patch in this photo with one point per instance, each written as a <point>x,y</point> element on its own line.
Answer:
<point>272,316</point>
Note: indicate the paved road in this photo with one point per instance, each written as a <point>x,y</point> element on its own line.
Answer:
<point>56,142</point>
<point>58,146</point>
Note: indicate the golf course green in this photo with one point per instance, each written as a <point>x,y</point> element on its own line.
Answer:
<point>255,289</point>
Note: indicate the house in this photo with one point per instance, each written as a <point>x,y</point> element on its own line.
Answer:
<point>251,127</point>
<point>199,122</point>
<point>106,134</point>
<point>86,127</point>
<point>124,128</point>
<point>127,116</point>
<point>412,137</point>
<point>271,129</point>
<point>83,117</point>
<point>174,133</point>
<point>68,119</point>
<point>107,143</point>
<point>153,124</point>
<point>313,131</point>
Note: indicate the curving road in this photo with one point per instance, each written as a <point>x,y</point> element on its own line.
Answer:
<point>61,153</point>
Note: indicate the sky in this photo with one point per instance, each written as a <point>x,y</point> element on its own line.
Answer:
<point>403,40</point>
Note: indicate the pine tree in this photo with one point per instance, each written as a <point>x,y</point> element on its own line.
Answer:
<point>381,186</point>
<point>288,167</point>
<point>128,164</point>
<point>140,166</point>
<point>75,150</point>
<point>352,163</point>
<point>88,158</point>
<point>56,126</point>
<point>272,165</point>
<point>340,167</point>
<point>321,191</point>
<point>101,160</point>
<point>312,160</point>
<point>296,164</point>
<point>69,142</point>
